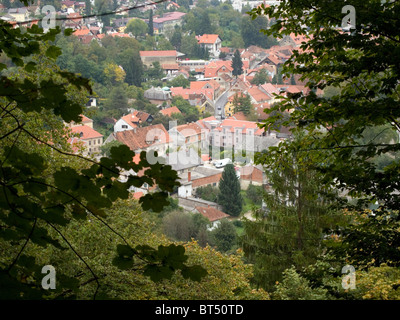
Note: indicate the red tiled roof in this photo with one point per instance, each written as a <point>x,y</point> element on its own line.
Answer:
<point>160,53</point>
<point>135,117</point>
<point>85,119</point>
<point>211,213</point>
<point>213,68</point>
<point>208,38</point>
<point>189,129</point>
<point>138,195</point>
<point>180,91</point>
<point>140,138</point>
<point>170,16</point>
<point>86,132</point>
<point>258,95</point>
<point>81,32</point>
<point>169,111</point>
<point>232,124</point>
<point>170,66</point>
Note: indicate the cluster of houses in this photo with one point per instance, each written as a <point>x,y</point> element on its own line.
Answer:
<point>188,148</point>
<point>72,14</point>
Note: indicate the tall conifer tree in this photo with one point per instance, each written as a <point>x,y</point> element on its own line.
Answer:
<point>151,28</point>
<point>229,187</point>
<point>237,64</point>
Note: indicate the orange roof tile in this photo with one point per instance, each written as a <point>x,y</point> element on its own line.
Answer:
<point>81,32</point>
<point>189,129</point>
<point>86,132</point>
<point>233,124</point>
<point>138,195</point>
<point>212,213</point>
<point>140,138</point>
<point>169,111</point>
<point>170,66</point>
<point>163,53</point>
<point>208,38</point>
<point>258,95</point>
<point>180,91</point>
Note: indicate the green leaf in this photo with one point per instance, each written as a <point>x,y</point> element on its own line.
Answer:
<point>68,31</point>
<point>158,273</point>
<point>154,201</point>
<point>195,273</point>
<point>122,263</point>
<point>125,250</point>
<point>30,66</point>
<point>53,52</point>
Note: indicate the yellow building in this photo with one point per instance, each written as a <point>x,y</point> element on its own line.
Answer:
<point>229,109</point>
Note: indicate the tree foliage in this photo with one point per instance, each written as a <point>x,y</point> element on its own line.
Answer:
<point>363,64</point>
<point>229,191</point>
<point>299,213</point>
<point>237,64</point>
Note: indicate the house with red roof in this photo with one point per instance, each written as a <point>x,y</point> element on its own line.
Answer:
<point>82,32</point>
<point>213,215</point>
<point>216,68</point>
<point>168,21</point>
<point>259,96</point>
<point>188,135</point>
<point>153,137</point>
<point>211,42</point>
<point>87,138</point>
<point>162,56</point>
<point>132,120</point>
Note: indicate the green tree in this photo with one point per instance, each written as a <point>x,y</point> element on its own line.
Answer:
<point>154,72</point>
<point>242,103</point>
<point>190,47</point>
<point>179,81</point>
<point>299,212</point>
<point>106,148</point>
<point>88,7</point>
<point>130,61</point>
<point>355,62</point>
<point>137,27</point>
<point>296,287</point>
<point>150,25</point>
<point>208,193</point>
<point>229,192</point>
<point>251,32</point>
<point>117,102</point>
<point>204,25</point>
<point>176,39</point>
<point>260,78</point>
<point>255,194</point>
<point>224,236</point>
<point>237,64</point>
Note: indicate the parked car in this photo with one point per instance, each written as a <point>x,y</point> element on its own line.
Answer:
<point>222,163</point>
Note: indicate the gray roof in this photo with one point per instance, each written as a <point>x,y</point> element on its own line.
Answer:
<point>157,94</point>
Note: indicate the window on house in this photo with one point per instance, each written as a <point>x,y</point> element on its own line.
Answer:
<point>124,126</point>
<point>90,143</point>
<point>98,141</point>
